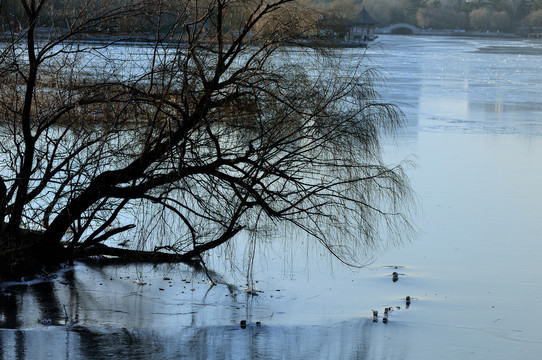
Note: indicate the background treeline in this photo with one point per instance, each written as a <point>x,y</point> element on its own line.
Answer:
<point>161,16</point>
<point>66,13</point>
<point>476,15</point>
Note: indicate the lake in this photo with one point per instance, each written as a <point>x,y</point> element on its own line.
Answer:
<point>474,127</point>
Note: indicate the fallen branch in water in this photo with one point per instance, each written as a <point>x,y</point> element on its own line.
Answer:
<point>137,255</point>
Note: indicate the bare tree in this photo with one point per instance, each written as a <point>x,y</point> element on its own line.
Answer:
<point>210,127</point>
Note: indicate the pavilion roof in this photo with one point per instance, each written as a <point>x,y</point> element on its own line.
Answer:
<point>364,18</point>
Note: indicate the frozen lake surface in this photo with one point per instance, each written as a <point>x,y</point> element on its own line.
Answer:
<point>474,116</point>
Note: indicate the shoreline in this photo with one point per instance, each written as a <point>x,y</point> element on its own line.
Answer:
<point>456,33</point>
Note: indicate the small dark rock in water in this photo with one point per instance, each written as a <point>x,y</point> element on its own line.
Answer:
<point>375,316</point>
<point>395,276</point>
<point>243,324</point>
<point>258,323</point>
<point>388,310</point>
<point>407,301</point>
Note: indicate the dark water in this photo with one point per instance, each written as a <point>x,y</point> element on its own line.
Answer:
<point>475,123</point>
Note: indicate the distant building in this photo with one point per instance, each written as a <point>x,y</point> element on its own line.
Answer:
<point>529,31</point>
<point>361,29</point>
<point>336,31</point>
<point>535,32</point>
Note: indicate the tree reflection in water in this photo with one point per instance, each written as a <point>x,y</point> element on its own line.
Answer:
<point>100,312</point>
<point>348,340</point>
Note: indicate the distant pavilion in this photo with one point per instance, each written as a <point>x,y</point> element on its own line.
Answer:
<point>362,28</point>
